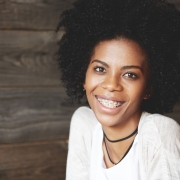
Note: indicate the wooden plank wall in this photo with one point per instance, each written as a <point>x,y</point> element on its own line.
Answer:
<point>34,113</point>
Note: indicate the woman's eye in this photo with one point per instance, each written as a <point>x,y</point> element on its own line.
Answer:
<point>131,75</point>
<point>100,69</point>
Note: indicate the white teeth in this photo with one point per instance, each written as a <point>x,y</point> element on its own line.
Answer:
<point>108,103</point>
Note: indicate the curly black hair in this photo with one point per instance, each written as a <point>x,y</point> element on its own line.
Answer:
<point>153,24</point>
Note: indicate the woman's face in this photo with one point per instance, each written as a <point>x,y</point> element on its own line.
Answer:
<point>116,81</point>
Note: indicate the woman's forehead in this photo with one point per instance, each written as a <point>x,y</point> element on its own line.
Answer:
<point>119,49</point>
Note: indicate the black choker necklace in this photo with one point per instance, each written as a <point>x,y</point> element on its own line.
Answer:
<point>122,157</point>
<point>122,139</point>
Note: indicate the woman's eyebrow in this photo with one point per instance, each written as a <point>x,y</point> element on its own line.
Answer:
<point>132,67</point>
<point>123,68</point>
<point>96,60</point>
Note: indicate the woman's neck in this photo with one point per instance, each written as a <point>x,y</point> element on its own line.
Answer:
<point>117,150</point>
<point>121,130</point>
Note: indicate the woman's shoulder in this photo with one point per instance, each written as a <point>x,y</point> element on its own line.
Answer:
<point>83,110</point>
<point>160,130</point>
<point>159,138</point>
<point>84,113</point>
<point>160,122</point>
<point>84,118</point>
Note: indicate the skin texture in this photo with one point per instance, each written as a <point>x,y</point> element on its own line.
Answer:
<point>118,71</point>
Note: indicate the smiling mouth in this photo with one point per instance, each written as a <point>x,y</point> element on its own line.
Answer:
<point>109,103</point>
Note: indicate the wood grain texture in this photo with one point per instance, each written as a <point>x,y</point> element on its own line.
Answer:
<point>34,114</point>
<point>33,161</point>
<point>33,69</point>
<point>16,42</point>
<point>32,14</point>
<point>28,58</point>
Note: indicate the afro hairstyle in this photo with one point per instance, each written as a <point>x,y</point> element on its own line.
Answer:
<point>153,24</point>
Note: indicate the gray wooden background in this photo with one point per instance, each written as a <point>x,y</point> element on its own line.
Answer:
<point>34,113</point>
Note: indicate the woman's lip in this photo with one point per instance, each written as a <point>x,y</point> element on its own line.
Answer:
<point>107,110</point>
<point>109,98</point>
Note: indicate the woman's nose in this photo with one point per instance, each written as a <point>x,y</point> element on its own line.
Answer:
<point>112,83</point>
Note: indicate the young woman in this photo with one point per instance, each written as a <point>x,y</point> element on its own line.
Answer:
<point>125,56</point>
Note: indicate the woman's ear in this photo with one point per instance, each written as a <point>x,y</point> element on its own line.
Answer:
<point>84,86</point>
<point>148,93</point>
<point>147,96</point>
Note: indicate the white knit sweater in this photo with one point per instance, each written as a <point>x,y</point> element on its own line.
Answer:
<point>159,146</point>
